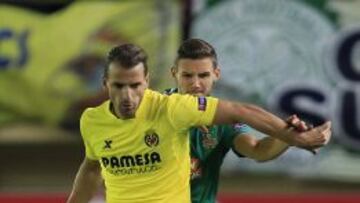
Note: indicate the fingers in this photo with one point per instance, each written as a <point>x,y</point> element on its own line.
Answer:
<point>295,122</point>
<point>325,131</point>
<point>321,135</point>
<point>292,119</point>
<point>313,138</point>
<point>327,135</point>
<point>310,138</point>
<point>301,125</point>
<point>204,129</point>
<point>324,127</point>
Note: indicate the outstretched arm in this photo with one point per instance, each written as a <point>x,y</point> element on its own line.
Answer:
<point>87,182</point>
<point>265,149</point>
<point>267,123</point>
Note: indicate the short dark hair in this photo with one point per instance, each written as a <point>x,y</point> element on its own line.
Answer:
<point>128,56</point>
<point>196,49</point>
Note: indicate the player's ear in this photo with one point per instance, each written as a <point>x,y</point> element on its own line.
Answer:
<point>173,71</point>
<point>217,73</point>
<point>104,87</point>
<point>147,78</point>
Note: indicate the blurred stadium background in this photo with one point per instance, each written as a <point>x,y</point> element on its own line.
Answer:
<point>289,56</point>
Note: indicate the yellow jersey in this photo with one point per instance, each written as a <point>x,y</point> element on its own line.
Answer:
<point>146,158</point>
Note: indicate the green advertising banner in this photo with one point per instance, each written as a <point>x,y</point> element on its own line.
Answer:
<point>292,57</point>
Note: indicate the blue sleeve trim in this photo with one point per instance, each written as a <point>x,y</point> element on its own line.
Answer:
<point>241,128</point>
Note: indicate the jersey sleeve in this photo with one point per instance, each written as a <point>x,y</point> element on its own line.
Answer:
<point>89,153</point>
<point>185,111</point>
<point>231,131</point>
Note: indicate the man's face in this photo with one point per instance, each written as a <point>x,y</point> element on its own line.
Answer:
<point>126,88</point>
<point>195,76</point>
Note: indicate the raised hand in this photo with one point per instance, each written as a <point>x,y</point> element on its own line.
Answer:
<point>299,125</point>
<point>307,137</point>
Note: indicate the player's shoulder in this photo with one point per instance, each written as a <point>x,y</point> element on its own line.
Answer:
<point>95,112</point>
<point>153,98</point>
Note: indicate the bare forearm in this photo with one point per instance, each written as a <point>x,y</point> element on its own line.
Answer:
<point>267,123</point>
<point>261,150</point>
<point>255,117</point>
<point>261,120</point>
<point>269,148</point>
<point>86,184</point>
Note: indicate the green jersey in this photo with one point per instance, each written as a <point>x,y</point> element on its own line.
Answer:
<point>207,154</point>
<point>208,151</point>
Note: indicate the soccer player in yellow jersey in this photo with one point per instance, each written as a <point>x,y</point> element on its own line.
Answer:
<point>137,142</point>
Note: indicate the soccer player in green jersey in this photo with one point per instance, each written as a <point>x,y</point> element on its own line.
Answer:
<point>195,71</point>
<point>138,140</point>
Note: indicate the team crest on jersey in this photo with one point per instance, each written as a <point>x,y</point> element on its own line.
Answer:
<point>202,103</point>
<point>208,141</point>
<point>151,139</point>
